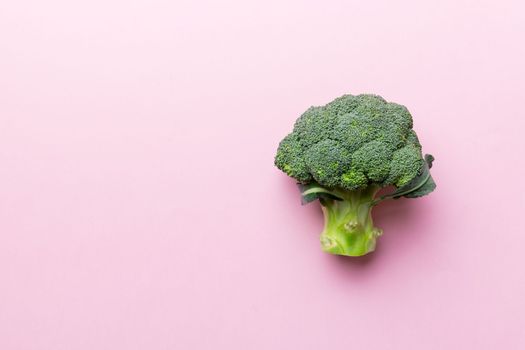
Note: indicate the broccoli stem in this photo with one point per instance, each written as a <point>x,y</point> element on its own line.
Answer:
<point>349,229</point>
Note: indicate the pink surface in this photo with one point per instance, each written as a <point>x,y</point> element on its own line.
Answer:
<point>139,205</point>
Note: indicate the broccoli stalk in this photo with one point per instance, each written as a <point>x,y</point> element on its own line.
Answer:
<point>349,229</point>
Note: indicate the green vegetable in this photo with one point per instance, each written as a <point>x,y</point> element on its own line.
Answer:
<point>343,153</point>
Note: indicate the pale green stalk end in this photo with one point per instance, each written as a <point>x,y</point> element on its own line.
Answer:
<point>349,229</point>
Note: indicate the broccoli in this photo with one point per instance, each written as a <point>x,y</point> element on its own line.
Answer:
<point>343,153</point>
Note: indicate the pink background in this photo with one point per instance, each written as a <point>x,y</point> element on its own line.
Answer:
<point>139,205</point>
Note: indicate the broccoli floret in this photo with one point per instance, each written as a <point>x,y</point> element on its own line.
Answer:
<point>406,164</point>
<point>413,139</point>
<point>353,180</point>
<point>326,161</point>
<point>342,105</point>
<point>314,125</point>
<point>343,153</point>
<point>353,131</point>
<point>373,159</point>
<point>290,158</point>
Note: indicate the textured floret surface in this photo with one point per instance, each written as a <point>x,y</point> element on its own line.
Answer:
<point>351,143</point>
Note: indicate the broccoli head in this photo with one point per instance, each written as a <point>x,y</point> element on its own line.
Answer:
<point>343,153</point>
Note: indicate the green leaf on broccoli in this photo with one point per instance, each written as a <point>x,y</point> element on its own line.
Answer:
<point>419,186</point>
<point>313,191</point>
